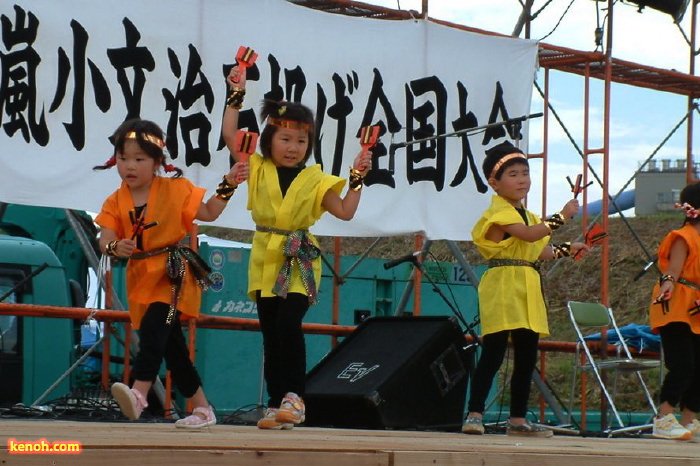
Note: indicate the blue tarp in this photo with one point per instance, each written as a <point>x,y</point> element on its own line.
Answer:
<point>635,335</point>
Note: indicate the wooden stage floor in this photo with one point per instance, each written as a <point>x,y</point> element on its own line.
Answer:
<point>121,443</point>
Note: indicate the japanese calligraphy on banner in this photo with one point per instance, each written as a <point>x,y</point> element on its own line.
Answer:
<point>71,72</point>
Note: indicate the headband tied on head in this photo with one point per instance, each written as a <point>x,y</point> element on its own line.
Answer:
<point>499,164</point>
<point>153,139</point>
<point>690,211</point>
<point>289,124</point>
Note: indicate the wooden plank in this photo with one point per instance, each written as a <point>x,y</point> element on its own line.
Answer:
<point>405,458</point>
<point>102,442</point>
<point>109,457</point>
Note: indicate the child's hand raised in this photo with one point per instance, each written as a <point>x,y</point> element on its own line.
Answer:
<point>363,161</point>
<point>238,174</point>
<point>570,209</point>
<point>236,77</point>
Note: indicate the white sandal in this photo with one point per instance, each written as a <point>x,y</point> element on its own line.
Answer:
<point>200,417</point>
<point>130,401</point>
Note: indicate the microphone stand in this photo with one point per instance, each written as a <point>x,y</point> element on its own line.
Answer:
<point>512,124</point>
<point>469,328</point>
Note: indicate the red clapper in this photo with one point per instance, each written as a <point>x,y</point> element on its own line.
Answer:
<point>245,57</point>
<point>368,138</point>
<point>593,236</point>
<point>576,188</point>
<point>246,142</point>
<point>137,224</point>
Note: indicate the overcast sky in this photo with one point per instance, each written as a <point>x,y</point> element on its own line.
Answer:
<point>640,119</point>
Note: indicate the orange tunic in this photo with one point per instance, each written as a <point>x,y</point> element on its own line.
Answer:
<point>683,297</point>
<point>173,203</point>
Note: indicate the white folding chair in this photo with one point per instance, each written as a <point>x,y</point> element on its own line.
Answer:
<point>594,316</point>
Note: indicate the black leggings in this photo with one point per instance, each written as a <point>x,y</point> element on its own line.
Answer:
<point>493,350</point>
<point>157,341</point>
<point>682,359</point>
<point>284,346</point>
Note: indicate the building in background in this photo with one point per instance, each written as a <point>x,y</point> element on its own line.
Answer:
<point>658,186</point>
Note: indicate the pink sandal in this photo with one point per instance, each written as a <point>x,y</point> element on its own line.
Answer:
<point>200,417</point>
<point>130,401</point>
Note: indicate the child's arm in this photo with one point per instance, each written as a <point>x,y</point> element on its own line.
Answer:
<point>573,249</point>
<point>344,208</point>
<point>236,82</point>
<point>112,246</point>
<point>532,233</point>
<point>677,257</point>
<point>210,210</point>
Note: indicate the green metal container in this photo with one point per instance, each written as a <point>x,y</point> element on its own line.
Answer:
<point>44,346</point>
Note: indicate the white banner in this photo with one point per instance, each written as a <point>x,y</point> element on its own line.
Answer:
<point>72,71</point>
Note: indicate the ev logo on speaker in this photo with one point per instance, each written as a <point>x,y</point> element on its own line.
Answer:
<point>355,371</point>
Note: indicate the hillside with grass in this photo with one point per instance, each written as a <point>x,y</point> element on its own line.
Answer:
<point>566,280</point>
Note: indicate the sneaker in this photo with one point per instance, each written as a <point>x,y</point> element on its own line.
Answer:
<point>130,401</point>
<point>473,425</point>
<point>528,430</point>
<point>668,427</point>
<point>269,421</point>
<point>200,417</point>
<point>291,410</point>
<point>694,429</point>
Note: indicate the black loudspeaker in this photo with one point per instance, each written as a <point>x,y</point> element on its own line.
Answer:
<point>392,372</point>
<point>675,8</point>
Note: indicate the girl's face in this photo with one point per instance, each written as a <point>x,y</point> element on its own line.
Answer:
<point>135,167</point>
<point>514,183</point>
<point>288,147</point>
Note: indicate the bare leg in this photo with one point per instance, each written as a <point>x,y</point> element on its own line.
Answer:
<point>199,400</point>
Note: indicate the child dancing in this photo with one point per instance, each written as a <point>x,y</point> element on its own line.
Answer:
<point>286,198</point>
<point>511,303</point>
<point>675,315</point>
<point>144,221</point>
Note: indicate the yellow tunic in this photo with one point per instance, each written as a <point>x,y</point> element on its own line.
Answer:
<point>173,203</point>
<point>510,297</point>
<point>299,209</point>
<point>683,297</point>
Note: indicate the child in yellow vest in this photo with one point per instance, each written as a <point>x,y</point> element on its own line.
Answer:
<point>286,198</point>
<point>511,304</point>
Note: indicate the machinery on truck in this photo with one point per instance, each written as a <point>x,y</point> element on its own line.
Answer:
<point>41,263</point>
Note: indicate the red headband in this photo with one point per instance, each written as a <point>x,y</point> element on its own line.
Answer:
<point>289,124</point>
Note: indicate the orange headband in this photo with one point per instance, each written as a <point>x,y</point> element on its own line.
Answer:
<point>146,137</point>
<point>289,124</point>
<point>499,164</point>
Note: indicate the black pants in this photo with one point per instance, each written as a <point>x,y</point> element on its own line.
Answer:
<point>493,350</point>
<point>682,359</point>
<point>284,347</point>
<point>158,341</point>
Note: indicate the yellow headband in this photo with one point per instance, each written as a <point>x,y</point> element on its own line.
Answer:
<point>146,137</point>
<point>289,124</point>
<point>499,164</point>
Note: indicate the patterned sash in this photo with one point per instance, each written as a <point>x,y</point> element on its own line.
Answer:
<point>297,248</point>
<point>176,262</point>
